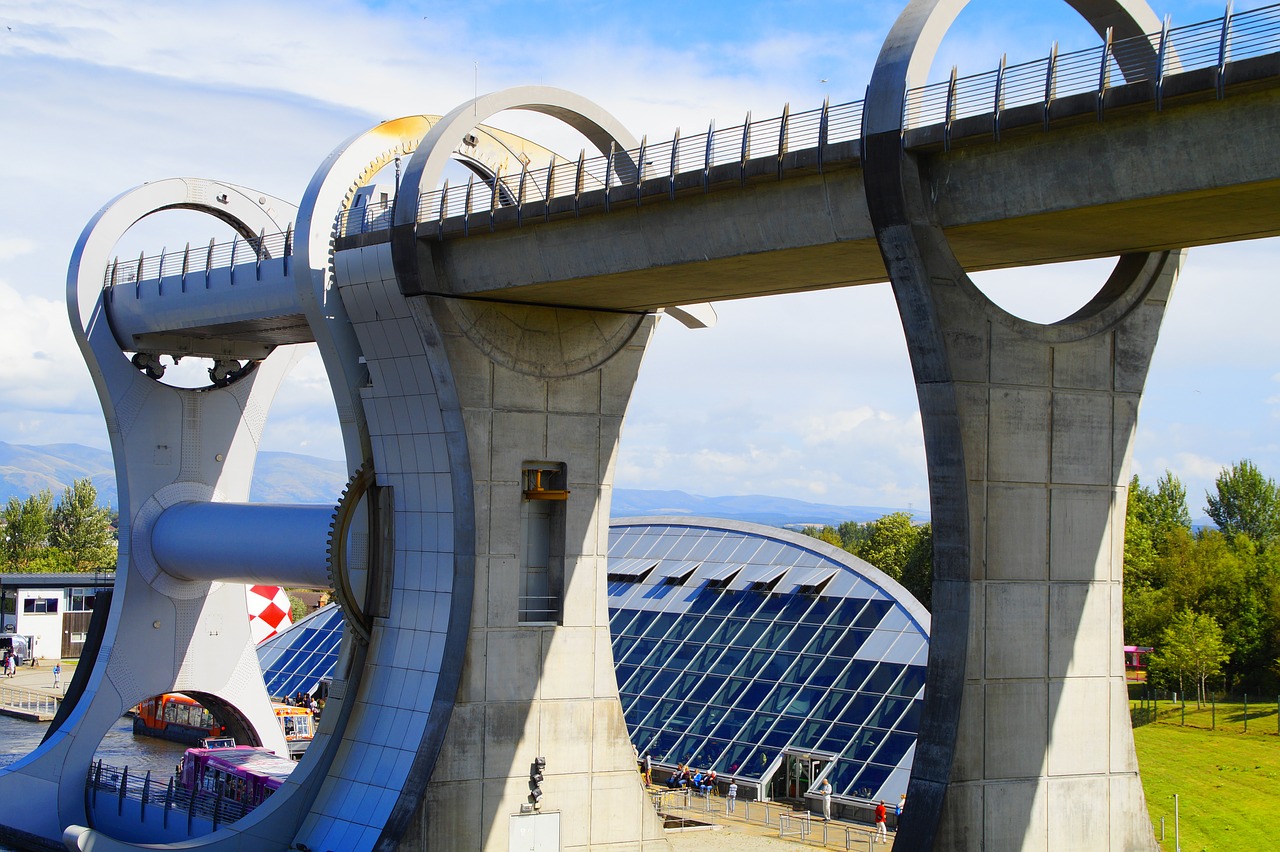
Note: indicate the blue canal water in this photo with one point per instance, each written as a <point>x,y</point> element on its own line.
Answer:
<point>119,747</point>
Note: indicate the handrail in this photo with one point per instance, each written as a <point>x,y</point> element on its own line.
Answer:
<point>119,784</point>
<point>28,700</point>
<point>1151,57</point>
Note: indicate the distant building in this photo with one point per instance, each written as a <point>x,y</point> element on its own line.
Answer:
<point>52,609</point>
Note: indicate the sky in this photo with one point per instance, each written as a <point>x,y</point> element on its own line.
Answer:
<point>806,396</point>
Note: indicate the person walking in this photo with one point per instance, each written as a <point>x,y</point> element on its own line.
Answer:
<point>882,814</point>
<point>824,790</point>
<point>648,769</point>
<point>732,799</point>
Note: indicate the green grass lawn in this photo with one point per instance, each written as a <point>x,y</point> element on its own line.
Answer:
<point>1227,781</point>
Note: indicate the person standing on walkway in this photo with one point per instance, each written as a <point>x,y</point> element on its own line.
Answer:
<point>882,814</point>
<point>648,769</point>
<point>732,799</point>
<point>57,675</point>
<point>824,790</point>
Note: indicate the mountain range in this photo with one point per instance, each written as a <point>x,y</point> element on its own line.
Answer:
<point>294,478</point>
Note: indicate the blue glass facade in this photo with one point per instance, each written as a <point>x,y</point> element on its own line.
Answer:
<point>736,645</point>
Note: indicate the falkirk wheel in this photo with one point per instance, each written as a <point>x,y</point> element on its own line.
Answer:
<point>468,552</point>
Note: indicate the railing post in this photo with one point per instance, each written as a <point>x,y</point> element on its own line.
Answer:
<point>186,260</point>
<point>124,782</point>
<point>261,249</point>
<point>235,243</point>
<point>137,278</point>
<point>208,264</point>
<point>288,246</point>
<point>782,136</point>
<point>1224,51</point>
<point>1160,60</point>
<point>168,803</point>
<point>1103,76</point>
<point>444,210</point>
<point>493,196</point>
<point>706,157</point>
<point>466,207</point>
<point>640,164</point>
<point>551,189</point>
<point>608,173</point>
<point>951,109</point>
<point>1050,82</point>
<point>97,782</point>
<point>524,175</point>
<point>675,163</point>
<point>160,272</point>
<point>998,105</point>
<point>824,128</point>
<point>746,149</point>
<point>578,180</point>
<point>146,791</point>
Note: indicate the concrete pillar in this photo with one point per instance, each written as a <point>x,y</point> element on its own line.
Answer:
<point>462,397</point>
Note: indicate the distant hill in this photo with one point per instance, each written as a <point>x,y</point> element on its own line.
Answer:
<point>294,478</point>
<point>757,508</point>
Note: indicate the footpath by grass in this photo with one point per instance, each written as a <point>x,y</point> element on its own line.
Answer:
<point>1227,780</point>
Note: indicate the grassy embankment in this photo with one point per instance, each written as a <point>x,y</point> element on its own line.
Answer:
<point>1227,780</point>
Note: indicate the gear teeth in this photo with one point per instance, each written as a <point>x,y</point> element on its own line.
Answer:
<point>356,488</point>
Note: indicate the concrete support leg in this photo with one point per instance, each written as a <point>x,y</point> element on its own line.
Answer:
<point>465,400</point>
<point>1026,742</point>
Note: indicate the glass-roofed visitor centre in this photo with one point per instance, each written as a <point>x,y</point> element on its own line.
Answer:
<point>772,657</point>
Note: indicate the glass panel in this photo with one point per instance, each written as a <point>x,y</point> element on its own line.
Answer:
<point>858,708</point>
<point>771,607</point>
<point>797,639</point>
<point>703,629</point>
<point>661,623</point>
<point>859,671</point>
<point>776,667</point>
<point>804,702</point>
<point>794,609</point>
<point>838,738</point>
<point>829,708</point>
<point>910,720</point>
<point>780,698</point>
<point>661,683</point>
<point>910,683</point>
<point>864,744</point>
<point>724,604</point>
<point>850,642</point>
<point>728,661</point>
<point>638,624</point>
<point>888,712</point>
<point>874,611</point>
<point>751,633</point>
<point>755,694</point>
<point>729,693</point>
<point>883,677</point>
<point>706,689</point>
<point>842,776</point>
<point>660,712</point>
<point>639,650</point>
<point>847,612</point>
<point>827,672</point>
<point>732,723</point>
<point>869,781</point>
<point>810,734</point>
<point>802,669</point>
<point>731,759</point>
<point>781,733</point>
<point>825,639</point>
<point>755,730</point>
<point>640,681</point>
<point>895,746</point>
<point>726,631</point>
<point>820,611</point>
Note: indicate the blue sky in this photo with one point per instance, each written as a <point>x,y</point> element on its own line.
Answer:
<point>808,397</point>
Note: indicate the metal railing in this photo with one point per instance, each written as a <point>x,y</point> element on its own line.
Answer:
<point>196,265</point>
<point>28,700</point>
<point>691,805</point>
<point>1152,57</point>
<point>112,785</point>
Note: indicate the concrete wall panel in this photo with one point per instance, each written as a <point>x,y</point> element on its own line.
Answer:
<point>1017,532</point>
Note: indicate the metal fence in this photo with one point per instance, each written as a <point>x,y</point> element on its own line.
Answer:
<point>694,807</point>
<point>28,700</point>
<point>110,786</point>
<point>1152,57</point>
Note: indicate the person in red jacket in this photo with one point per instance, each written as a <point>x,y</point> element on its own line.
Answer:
<point>881,814</point>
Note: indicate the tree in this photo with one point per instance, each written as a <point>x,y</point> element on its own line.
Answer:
<point>1246,502</point>
<point>26,528</point>
<point>1191,648</point>
<point>81,529</point>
